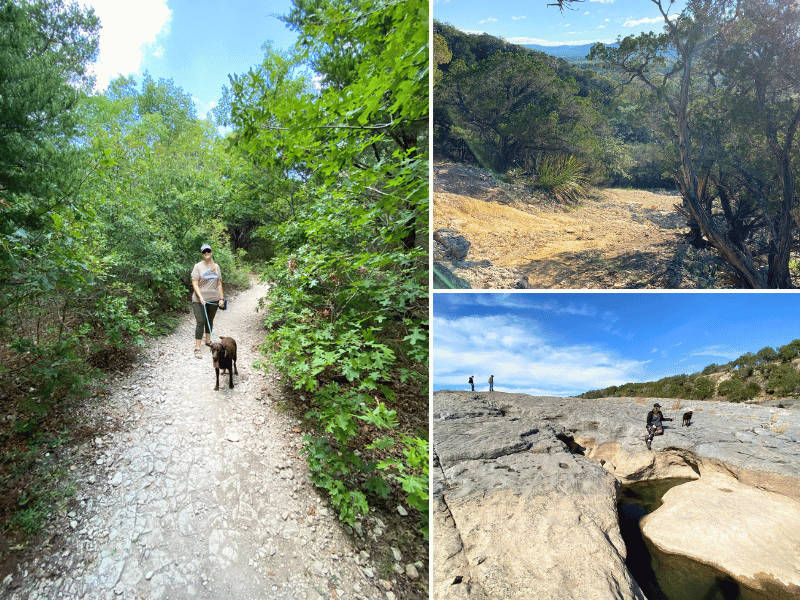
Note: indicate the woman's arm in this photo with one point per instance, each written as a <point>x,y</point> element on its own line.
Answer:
<point>219,288</point>
<point>197,291</point>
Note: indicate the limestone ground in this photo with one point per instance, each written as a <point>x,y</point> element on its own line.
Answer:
<point>194,493</point>
<point>617,239</point>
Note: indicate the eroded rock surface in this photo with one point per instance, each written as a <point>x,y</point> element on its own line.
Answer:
<point>525,488</point>
<point>718,511</point>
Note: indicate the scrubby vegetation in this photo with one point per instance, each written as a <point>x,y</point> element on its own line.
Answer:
<point>769,372</point>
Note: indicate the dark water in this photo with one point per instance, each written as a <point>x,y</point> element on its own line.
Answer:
<point>665,576</point>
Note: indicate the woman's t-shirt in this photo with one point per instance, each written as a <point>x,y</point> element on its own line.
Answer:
<point>657,419</point>
<point>207,279</point>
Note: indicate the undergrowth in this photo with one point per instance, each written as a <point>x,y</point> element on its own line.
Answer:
<point>337,334</point>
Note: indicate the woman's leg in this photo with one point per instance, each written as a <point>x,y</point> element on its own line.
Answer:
<point>200,320</point>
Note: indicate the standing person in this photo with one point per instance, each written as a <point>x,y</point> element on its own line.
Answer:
<point>491,383</point>
<point>654,426</point>
<point>472,382</point>
<point>207,284</point>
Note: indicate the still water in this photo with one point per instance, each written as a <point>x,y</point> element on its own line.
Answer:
<point>666,576</point>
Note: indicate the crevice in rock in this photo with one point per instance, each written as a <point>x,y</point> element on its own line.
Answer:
<point>574,447</point>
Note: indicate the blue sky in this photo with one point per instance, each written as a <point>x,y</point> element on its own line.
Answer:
<point>567,343</point>
<point>533,22</point>
<point>197,43</point>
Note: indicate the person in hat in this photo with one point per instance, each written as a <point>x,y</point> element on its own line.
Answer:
<point>654,426</point>
<point>472,382</point>
<point>207,284</point>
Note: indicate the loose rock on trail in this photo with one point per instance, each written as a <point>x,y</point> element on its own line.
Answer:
<point>197,493</point>
<point>521,238</point>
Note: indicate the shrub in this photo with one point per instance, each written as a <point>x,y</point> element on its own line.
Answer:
<point>562,176</point>
<point>703,389</point>
<point>783,380</point>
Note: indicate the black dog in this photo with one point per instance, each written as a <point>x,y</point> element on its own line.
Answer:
<point>687,418</point>
<point>223,353</point>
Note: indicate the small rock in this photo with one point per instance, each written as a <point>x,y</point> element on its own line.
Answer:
<point>397,555</point>
<point>403,512</point>
<point>412,572</point>
<point>149,575</point>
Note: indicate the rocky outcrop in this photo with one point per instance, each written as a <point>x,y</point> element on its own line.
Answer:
<point>525,489</point>
<point>453,270</point>
<point>718,511</point>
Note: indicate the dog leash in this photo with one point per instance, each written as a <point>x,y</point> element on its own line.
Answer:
<point>210,333</point>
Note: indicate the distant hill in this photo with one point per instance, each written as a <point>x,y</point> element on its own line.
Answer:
<point>769,372</point>
<point>572,52</point>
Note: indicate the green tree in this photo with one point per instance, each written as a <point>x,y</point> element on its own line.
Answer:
<point>702,389</point>
<point>789,351</point>
<point>725,71</point>
<point>510,107</point>
<point>784,380</point>
<point>350,292</point>
<point>45,50</point>
<point>766,355</point>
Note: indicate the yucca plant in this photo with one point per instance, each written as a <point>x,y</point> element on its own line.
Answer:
<point>563,176</point>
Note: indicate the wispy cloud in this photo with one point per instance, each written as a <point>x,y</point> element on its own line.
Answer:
<point>521,357</point>
<point>728,353</point>
<point>489,20</point>
<point>516,18</point>
<point>541,42</point>
<point>603,1</point>
<point>634,23</point>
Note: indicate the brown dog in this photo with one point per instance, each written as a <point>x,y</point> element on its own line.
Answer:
<point>223,353</point>
<point>687,418</point>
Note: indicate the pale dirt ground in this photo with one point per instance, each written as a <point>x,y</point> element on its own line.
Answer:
<point>194,493</point>
<point>618,239</point>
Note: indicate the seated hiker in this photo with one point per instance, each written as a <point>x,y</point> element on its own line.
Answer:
<point>654,426</point>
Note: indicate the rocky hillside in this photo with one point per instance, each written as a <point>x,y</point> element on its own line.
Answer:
<point>495,232</point>
<point>768,375</point>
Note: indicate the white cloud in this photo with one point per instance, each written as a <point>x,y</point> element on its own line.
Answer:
<point>655,349</point>
<point>516,18</point>
<point>489,20</point>
<point>632,23</point>
<point>129,31</point>
<point>541,42</point>
<point>601,27</point>
<point>729,353</point>
<point>603,1</point>
<point>521,357</point>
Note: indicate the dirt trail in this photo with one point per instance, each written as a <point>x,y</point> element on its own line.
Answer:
<point>198,494</point>
<point>622,239</point>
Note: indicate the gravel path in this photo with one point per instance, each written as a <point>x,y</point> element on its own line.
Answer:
<point>196,494</point>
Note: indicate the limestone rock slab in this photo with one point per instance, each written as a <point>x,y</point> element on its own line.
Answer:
<point>752,534</point>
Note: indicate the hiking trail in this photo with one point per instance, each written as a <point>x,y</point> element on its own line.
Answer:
<point>192,493</point>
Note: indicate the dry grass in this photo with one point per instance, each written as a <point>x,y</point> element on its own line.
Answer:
<point>677,404</point>
<point>774,418</point>
<point>640,400</point>
<point>783,428</point>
